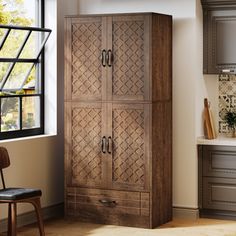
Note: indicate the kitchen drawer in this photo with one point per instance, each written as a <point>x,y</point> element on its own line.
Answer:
<point>219,193</point>
<point>219,161</point>
<point>105,205</point>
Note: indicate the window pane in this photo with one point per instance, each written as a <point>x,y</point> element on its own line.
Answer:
<point>30,11</point>
<point>18,76</point>
<point>9,114</point>
<point>3,69</point>
<point>3,35</point>
<point>13,43</point>
<point>30,112</point>
<point>23,12</point>
<point>34,45</point>
<point>31,85</point>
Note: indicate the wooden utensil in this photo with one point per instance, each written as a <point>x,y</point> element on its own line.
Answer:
<point>208,122</point>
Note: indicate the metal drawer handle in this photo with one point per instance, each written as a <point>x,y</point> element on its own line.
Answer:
<point>109,145</point>
<point>227,71</point>
<point>103,144</point>
<point>103,58</point>
<point>108,203</point>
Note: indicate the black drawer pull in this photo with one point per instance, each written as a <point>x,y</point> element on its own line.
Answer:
<point>108,203</point>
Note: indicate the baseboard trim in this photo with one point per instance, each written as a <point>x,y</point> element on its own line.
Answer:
<point>186,213</point>
<point>30,217</point>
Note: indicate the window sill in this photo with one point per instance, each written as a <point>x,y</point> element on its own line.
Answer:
<point>27,138</point>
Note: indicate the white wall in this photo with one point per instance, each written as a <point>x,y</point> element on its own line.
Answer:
<point>188,84</point>
<point>38,162</point>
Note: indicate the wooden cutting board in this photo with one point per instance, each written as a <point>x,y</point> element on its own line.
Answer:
<point>208,121</point>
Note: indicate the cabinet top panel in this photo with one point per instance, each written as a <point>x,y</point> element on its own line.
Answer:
<point>117,14</point>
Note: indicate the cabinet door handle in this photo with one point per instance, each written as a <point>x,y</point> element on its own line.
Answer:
<point>103,144</point>
<point>109,145</point>
<point>103,58</point>
<point>108,203</point>
<point>109,58</point>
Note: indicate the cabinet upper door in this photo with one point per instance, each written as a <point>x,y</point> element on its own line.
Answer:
<point>219,41</point>
<point>84,130</point>
<point>128,42</point>
<point>84,73</point>
<point>128,145</point>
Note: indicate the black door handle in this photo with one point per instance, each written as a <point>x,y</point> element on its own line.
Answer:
<point>109,58</point>
<point>103,58</point>
<point>109,145</point>
<point>103,144</point>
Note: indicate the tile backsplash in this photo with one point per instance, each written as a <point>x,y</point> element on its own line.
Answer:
<point>227,98</point>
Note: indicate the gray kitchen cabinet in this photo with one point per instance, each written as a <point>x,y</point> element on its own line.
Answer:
<point>217,2</point>
<point>217,181</point>
<point>219,32</point>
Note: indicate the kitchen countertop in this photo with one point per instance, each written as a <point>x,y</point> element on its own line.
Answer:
<point>220,140</point>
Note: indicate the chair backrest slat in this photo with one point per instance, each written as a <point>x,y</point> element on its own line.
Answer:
<point>4,158</point>
<point>3,181</point>
<point>4,162</point>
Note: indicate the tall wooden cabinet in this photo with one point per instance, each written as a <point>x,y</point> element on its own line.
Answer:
<point>118,119</point>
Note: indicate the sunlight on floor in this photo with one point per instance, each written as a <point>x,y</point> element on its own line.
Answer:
<point>177,227</point>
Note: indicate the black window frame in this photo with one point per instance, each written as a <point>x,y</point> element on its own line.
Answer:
<point>39,63</point>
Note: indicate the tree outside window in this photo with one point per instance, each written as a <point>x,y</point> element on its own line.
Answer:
<point>21,83</point>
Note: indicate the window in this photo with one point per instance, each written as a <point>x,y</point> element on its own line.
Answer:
<point>22,40</point>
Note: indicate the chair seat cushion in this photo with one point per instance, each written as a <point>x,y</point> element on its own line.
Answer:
<point>19,193</point>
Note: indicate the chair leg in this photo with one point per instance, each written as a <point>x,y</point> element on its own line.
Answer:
<point>12,219</point>
<point>9,220</point>
<point>37,206</point>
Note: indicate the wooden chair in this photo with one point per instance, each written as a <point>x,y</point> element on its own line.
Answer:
<point>12,196</point>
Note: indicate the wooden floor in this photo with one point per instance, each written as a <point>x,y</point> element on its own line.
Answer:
<point>178,227</point>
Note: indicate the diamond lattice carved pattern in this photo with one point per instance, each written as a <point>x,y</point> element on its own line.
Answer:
<point>128,50</point>
<point>86,152</point>
<point>128,156</point>
<point>86,68</point>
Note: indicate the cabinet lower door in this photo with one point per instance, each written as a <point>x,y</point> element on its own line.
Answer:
<point>84,131</point>
<point>219,193</point>
<point>129,142</point>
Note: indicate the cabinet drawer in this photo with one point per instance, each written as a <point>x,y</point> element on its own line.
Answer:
<point>219,161</point>
<point>219,194</point>
<point>96,202</point>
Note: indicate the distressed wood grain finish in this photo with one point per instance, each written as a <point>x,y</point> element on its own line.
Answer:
<point>86,204</point>
<point>161,163</point>
<point>86,153</point>
<point>83,68</point>
<point>128,71</point>
<point>118,119</point>
<point>161,58</point>
<point>128,141</point>
<point>85,160</point>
